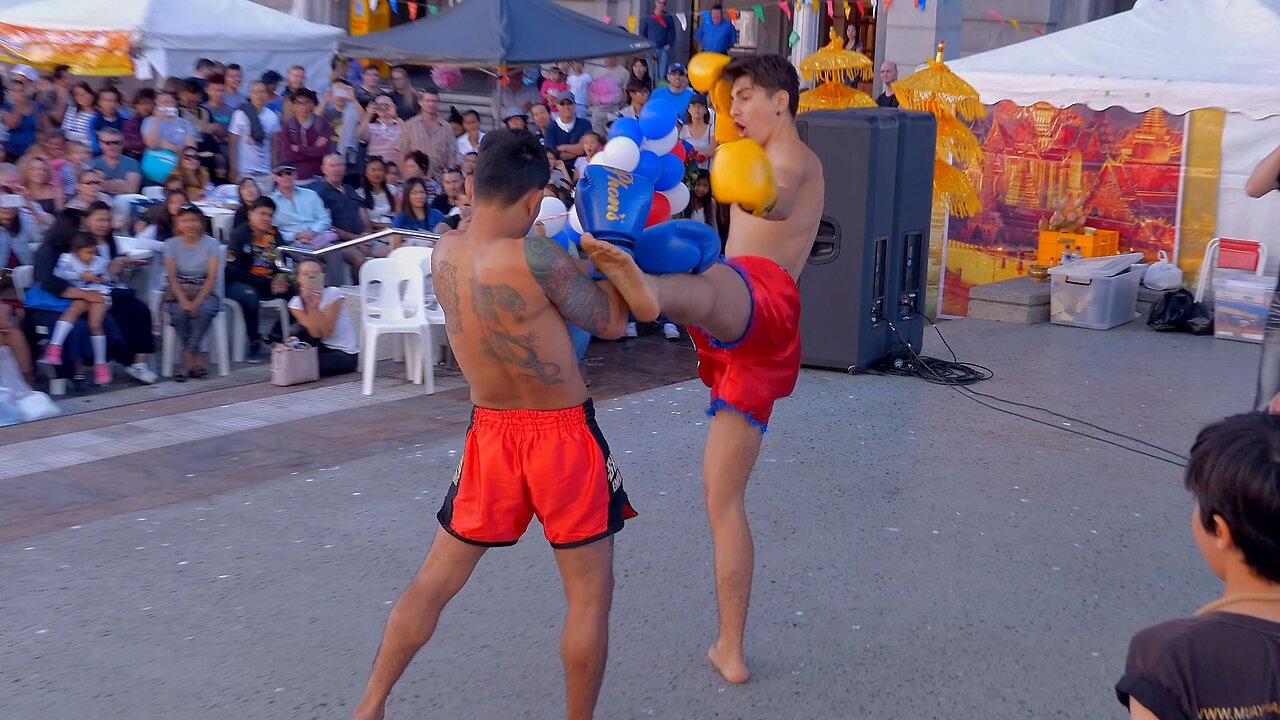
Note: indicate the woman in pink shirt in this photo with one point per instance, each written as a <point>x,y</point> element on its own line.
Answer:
<point>381,128</point>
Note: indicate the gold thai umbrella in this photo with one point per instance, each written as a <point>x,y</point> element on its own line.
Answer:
<point>833,96</point>
<point>956,140</point>
<point>937,90</point>
<point>833,64</point>
<point>952,188</point>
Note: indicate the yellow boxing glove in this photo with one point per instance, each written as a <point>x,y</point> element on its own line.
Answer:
<point>722,102</point>
<point>741,173</point>
<point>705,69</point>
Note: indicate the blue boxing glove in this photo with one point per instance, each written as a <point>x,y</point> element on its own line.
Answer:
<point>614,205</point>
<point>677,247</point>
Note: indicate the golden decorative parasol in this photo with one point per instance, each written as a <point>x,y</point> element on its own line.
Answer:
<point>956,140</point>
<point>937,90</point>
<point>833,96</point>
<point>952,188</point>
<point>833,64</point>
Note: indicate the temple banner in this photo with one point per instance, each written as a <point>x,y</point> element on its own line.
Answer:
<point>1125,169</point>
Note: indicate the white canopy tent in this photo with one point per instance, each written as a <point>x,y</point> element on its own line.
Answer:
<point>171,35</point>
<point>1178,55</point>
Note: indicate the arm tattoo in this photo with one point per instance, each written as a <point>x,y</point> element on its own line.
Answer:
<point>577,296</point>
<point>446,284</point>
<point>500,343</point>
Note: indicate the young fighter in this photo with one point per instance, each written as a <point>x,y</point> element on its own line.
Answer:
<point>533,446</point>
<point>743,314</point>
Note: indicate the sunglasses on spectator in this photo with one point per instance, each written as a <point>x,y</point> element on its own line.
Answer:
<point>190,156</point>
<point>91,182</point>
<point>110,142</point>
<point>283,172</point>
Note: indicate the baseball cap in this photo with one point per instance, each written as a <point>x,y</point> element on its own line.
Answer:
<point>26,72</point>
<point>676,68</point>
<point>511,112</point>
<point>283,168</point>
<point>562,96</point>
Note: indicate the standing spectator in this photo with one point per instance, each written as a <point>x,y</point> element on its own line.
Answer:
<point>189,108</point>
<point>616,72</point>
<point>165,130</point>
<point>271,80</point>
<point>640,73</point>
<point>541,115</point>
<point>579,82</point>
<point>37,178</point>
<point>220,112</point>
<point>888,76</point>
<point>256,269</point>
<point>638,95</point>
<point>232,77</point>
<point>124,175</point>
<point>325,322</point>
<point>1221,663</point>
<point>718,35</point>
<point>515,119</point>
<point>417,214</point>
<point>300,213</point>
<point>379,200</point>
<point>77,121</point>
<point>194,176</point>
<point>107,116</point>
<point>254,129</point>
<point>428,133</point>
<point>469,140</point>
<point>566,130</point>
<point>204,69</point>
<point>403,94</point>
<point>343,115</point>
<point>346,209</point>
<point>381,129</point>
<point>851,41</point>
<point>295,81</point>
<point>554,85</point>
<point>21,114</point>
<point>453,193</point>
<point>660,29</point>
<point>305,138</point>
<point>698,132</point>
<point>144,105</point>
<point>677,90</point>
<point>370,85</point>
<point>191,261</point>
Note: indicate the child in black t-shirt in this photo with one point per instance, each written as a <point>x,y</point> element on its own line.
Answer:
<point>1225,661</point>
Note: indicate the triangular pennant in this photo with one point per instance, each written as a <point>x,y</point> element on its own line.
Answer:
<point>1016,26</point>
<point>373,5</point>
<point>862,10</point>
<point>733,14</point>
<point>795,38</point>
<point>831,9</point>
<point>413,10</point>
<point>432,9</point>
<point>759,13</point>
<point>606,20</point>
<point>1040,31</point>
<point>392,3</point>
<point>786,8</point>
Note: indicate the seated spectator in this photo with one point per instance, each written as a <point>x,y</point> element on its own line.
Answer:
<point>302,219</point>
<point>107,117</point>
<point>248,193</point>
<point>254,137</point>
<point>566,129</point>
<point>12,337</point>
<point>417,165</point>
<point>380,129</point>
<point>453,190</point>
<point>37,178</point>
<point>394,178</point>
<point>164,130</point>
<point>21,113</point>
<point>20,235</point>
<point>191,266</point>
<point>346,209</point>
<point>637,96</point>
<point>468,164</point>
<point>123,173</point>
<point>379,200</point>
<point>77,120</point>
<point>144,105</point>
<point>305,138</point>
<point>161,218</point>
<point>455,125</point>
<point>417,214</point>
<point>89,190</point>
<point>370,85</point>
<point>592,143</point>
<point>257,270</point>
<point>54,149</point>
<point>515,119</point>
<point>324,321</point>
<point>1222,662</point>
<point>194,176</point>
<point>127,277</point>
<point>78,157</point>
<point>85,272</point>
<point>471,137</point>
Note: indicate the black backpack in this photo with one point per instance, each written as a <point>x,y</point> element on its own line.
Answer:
<point>1178,311</point>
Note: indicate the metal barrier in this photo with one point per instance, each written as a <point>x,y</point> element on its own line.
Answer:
<point>306,253</point>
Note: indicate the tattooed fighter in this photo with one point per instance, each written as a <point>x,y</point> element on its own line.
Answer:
<point>533,446</point>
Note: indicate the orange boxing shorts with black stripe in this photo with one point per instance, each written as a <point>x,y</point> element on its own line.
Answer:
<point>554,464</point>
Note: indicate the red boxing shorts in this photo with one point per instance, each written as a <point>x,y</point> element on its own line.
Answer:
<point>749,374</point>
<point>551,463</point>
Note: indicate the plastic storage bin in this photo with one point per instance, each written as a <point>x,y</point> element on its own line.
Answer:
<point>1096,293</point>
<point>1240,305</point>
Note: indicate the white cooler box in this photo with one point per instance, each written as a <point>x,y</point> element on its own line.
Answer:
<point>1096,293</point>
<point>1240,305</point>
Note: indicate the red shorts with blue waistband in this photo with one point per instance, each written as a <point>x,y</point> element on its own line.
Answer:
<point>520,463</point>
<point>751,373</point>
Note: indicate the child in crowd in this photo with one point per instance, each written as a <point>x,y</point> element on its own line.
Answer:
<point>393,176</point>
<point>579,82</point>
<point>591,144</point>
<point>90,295</point>
<point>78,157</point>
<point>1222,663</point>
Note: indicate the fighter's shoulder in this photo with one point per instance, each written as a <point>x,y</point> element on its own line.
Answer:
<point>797,156</point>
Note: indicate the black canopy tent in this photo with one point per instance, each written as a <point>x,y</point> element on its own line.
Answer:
<point>498,34</point>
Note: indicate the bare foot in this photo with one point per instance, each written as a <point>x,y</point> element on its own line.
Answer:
<point>377,713</point>
<point>732,667</point>
<point>637,288</point>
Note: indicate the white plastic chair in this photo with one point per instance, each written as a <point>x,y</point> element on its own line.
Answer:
<point>435,316</point>
<point>153,192</point>
<point>24,276</point>
<point>124,211</point>
<point>230,191</point>
<point>218,330</point>
<point>239,334</point>
<point>398,290</point>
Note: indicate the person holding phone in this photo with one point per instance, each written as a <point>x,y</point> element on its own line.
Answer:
<point>324,322</point>
<point>381,129</point>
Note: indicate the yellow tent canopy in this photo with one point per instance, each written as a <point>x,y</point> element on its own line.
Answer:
<point>87,52</point>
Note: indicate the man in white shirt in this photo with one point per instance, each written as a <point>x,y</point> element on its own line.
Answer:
<point>251,148</point>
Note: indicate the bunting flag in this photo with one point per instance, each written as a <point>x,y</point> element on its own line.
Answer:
<point>413,12</point>
<point>786,8</point>
<point>684,21</point>
<point>1040,31</point>
<point>831,9</point>
<point>373,5</point>
<point>1016,26</point>
<point>432,9</point>
<point>995,14</point>
<point>848,9</point>
<point>759,13</point>
<point>606,20</point>
<point>795,38</point>
<point>733,14</point>
<point>862,10</point>
<point>392,3</point>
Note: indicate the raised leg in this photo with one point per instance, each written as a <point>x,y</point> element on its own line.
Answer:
<point>448,566</point>
<point>732,447</point>
<point>587,574</point>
